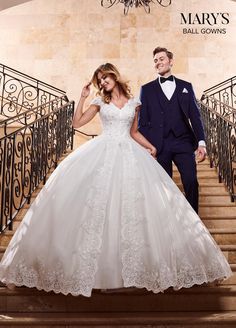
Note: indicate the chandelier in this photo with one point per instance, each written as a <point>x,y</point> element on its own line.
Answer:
<point>135,3</point>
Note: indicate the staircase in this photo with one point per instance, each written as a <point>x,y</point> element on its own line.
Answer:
<point>200,306</point>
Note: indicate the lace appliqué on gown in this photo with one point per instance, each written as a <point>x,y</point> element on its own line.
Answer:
<point>153,229</point>
<point>135,271</point>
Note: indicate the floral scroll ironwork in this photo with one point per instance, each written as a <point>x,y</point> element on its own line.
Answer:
<point>224,92</point>
<point>135,3</point>
<point>20,92</point>
<point>28,154</point>
<point>35,131</point>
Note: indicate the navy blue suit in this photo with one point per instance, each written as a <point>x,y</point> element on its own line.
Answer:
<point>174,127</point>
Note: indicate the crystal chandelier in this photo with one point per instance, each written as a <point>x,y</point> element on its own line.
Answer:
<point>135,3</point>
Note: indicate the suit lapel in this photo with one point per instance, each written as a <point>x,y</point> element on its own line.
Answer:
<point>180,95</point>
<point>179,88</point>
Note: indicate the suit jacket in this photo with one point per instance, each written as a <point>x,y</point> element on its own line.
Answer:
<point>151,113</point>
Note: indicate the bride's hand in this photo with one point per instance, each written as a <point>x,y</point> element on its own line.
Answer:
<point>153,152</point>
<point>86,90</point>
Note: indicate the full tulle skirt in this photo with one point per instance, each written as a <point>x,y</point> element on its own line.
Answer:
<point>109,217</point>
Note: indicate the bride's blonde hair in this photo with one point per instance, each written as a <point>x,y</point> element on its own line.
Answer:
<point>110,69</point>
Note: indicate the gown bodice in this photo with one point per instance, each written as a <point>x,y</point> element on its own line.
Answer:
<point>116,122</point>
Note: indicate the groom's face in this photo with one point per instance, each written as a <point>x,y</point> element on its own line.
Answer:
<point>162,63</point>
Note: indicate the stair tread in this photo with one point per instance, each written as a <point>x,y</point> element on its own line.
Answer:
<point>217,216</point>
<point>209,288</point>
<point>207,204</point>
<point>222,230</point>
<point>228,247</point>
<point>117,318</point>
<point>218,194</point>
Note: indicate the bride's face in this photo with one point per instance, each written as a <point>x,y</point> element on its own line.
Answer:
<point>106,81</point>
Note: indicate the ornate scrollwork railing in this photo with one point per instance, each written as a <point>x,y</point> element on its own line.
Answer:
<point>224,92</point>
<point>20,92</point>
<point>29,150</point>
<point>220,126</point>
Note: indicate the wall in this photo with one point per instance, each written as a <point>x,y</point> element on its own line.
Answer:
<point>62,41</point>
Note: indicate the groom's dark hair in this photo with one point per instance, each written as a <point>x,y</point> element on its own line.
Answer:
<point>161,49</point>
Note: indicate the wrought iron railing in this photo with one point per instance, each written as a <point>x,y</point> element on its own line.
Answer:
<point>224,92</point>
<point>35,131</point>
<point>85,134</point>
<point>19,92</point>
<point>221,108</point>
<point>29,150</point>
<point>220,126</point>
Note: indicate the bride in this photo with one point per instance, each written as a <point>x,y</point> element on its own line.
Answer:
<point>109,216</point>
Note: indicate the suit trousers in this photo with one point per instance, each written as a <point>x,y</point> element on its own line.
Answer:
<point>180,151</point>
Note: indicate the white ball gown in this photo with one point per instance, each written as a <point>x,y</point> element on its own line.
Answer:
<point>109,217</point>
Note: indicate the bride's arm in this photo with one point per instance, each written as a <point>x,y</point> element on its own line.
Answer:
<point>137,136</point>
<point>81,118</point>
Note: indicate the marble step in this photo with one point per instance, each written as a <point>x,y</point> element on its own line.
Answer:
<point>201,179</point>
<point>208,187</point>
<point>220,199</point>
<point>30,300</point>
<point>224,236</point>
<point>200,168</point>
<point>220,222</point>
<point>228,210</point>
<point>232,279</point>
<point>229,252</point>
<point>122,320</point>
<point>201,173</point>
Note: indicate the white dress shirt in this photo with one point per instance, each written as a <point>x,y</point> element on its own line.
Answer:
<point>168,87</point>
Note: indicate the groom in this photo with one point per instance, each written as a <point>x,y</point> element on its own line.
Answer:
<point>170,120</point>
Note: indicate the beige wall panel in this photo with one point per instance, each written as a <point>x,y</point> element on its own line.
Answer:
<point>61,42</point>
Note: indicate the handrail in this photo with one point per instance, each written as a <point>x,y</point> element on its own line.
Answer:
<point>86,134</point>
<point>26,114</point>
<point>31,78</point>
<point>5,99</point>
<point>33,146</point>
<point>37,119</point>
<point>217,86</point>
<point>220,108</point>
<point>29,153</point>
<point>219,121</point>
<point>19,91</point>
<point>225,92</point>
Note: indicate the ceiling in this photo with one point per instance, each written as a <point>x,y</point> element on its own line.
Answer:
<point>4,4</point>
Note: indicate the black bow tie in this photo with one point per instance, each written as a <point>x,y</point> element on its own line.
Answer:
<point>164,79</point>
